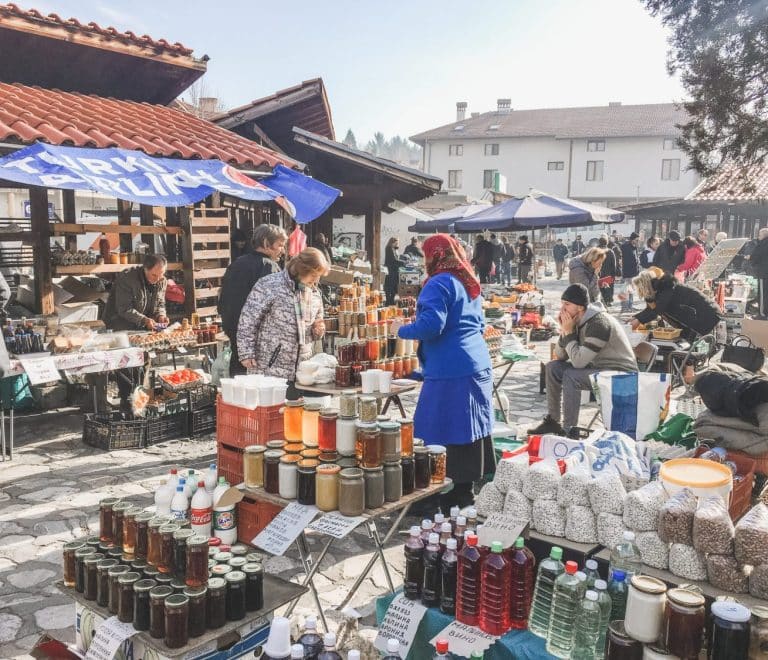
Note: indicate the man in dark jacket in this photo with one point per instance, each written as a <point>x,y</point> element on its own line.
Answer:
<point>559,252</point>
<point>630,267</point>
<point>670,254</point>
<point>482,258</point>
<point>324,245</point>
<point>524,260</point>
<point>413,249</point>
<point>506,261</point>
<point>758,261</point>
<point>267,245</point>
<point>577,247</point>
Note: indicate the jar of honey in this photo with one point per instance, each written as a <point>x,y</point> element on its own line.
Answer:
<point>292,420</point>
<point>310,423</point>
<point>327,487</point>
<point>326,437</point>
<point>253,466</point>
<point>406,437</point>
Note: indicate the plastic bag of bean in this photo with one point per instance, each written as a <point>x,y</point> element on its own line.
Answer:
<point>653,550</point>
<point>642,506</point>
<point>541,480</point>
<point>724,572</point>
<point>580,524</point>
<point>610,529</point>
<point>573,489</point>
<point>517,505</point>
<point>676,518</point>
<point>509,473</point>
<point>751,541</point>
<point>686,562</point>
<point>606,494</point>
<point>713,528</point>
<point>548,517</point>
<point>489,500</point>
<point>758,581</point>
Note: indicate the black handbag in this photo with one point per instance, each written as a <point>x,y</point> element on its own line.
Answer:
<point>743,352</point>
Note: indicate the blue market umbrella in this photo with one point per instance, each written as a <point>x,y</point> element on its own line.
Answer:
<point>443,221</point>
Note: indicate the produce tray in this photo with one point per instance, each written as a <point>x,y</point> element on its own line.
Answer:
<point>167,427</point>
<point>181,387</point>
<point>110,431</point>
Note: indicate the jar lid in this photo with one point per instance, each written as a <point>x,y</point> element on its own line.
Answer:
<point>389,426</point>
<point>395,462</point>
<point>406,459</point>
<point>195,592</point>
<point>252,567</point>
<point>234,576</point>
<point>109,501</point>
<point>74,545</point>
<point>144,585</point>
<point>133,511</point>
<point>93,540</point>
<point>122,506</point>
<point>294,403</point>
<point>730,611</point>
<point>275,444</point>
<point>222,557</point>
<point>162,578</point>
<point>255,449</point>
<point>436,449</point>
<point>239,549</point>
<point>308,464</point>
<point>368,426</point>
<point>367,399</point>
<point>117,569</point>
<point>157,521</point>
<point>328,456</point>
<point>617,628</point>
<point>349,393</point>
<point>220,570</point>
<point>128,578</point>
<point>328,468</point>
<point>290,459</point>
<point>169,529</point>
<point>160,593</point>
<point>178,585</point>
<point>294,448</point>
<point>329,413</point>
<point>182,534</point>
<point>106,564</point>
<point>351,473</point>
<point>93,558</point>
<point>313,407</point>
<point>685,597</point>
<point>237,562</point>
<point>420,449</point>
<point>216,583</point>
<point>648,584</point>
<point>273,454</point>
<point>377,468</point>
<point>760,612</point>
<point>253,557</point>
<point>176,600</point>
<point>137,564</point>
<point>149,571</point>
<point>197,539</point>
<point>144,516</point>
<point>405,420</point>
<point>310,453</point>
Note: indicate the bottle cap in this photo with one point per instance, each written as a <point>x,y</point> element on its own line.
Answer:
<point>471,539</point>
<point>455,511</point>
<point>310,623</point>
<point>571,567</point>
<point>556,553</point>
<point>519,542</point>
<point>591,595</point>
<point>180,488</point>
<point>415,530</point>
<point>174,471</point>
<point>442,646</point>
<point>201,484</point>
<point>730,611</point>
<point>354,654</point>
<point>461,521</point>
<point>628,535</point>
<point>471,512</point>
<point>497,547</point>
<point>591,564</point>
<point>426,524</point>
<point>581,575</point>
<point>451,544</point>
<point>439,518</point>
<point>601,585</point>
<point>445,528</point>
<point>329,639</point>
<point>393,646</point>
<point>212,466</point>
<point>297,651</point>
<point>182,480</point>
<point>619,576</point>
<point>434,539</point>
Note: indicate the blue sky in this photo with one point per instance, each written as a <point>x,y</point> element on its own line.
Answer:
<point>400,66</point>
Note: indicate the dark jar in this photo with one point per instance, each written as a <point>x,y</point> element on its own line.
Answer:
<point>217,602</point>
<point>254,586</point>
<point>197,561</point>
<point>393,481</point>
<point>423,475</point>
<point>102,581</point>
<point>141,603</point>
<point>142,534</point>
<point>69,560</point>
<point>306,484</point>
<point>167,548</point>
<point>113,574</point>
<point>730,631</point>
<point>125,584</point>
<point>176,621</point>
<point>374,487</point>
<point>118,512</point>
<point>157,598</point>
<point>180,538</point>
<point>153,542</point>
<point>80,555</point>
<point>621,646</point>
<point>90,568</point>
<point>272,470</point>
<point>409,474</point>
<point>105,519</point>
<point>197,606</point>
<point>235,595</point>
<point>682,627</point>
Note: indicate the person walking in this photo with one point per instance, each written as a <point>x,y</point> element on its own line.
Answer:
<point>630,267</point>
<point>577,247</point>
<point>559,253</point>
<point>393,263</point>
<point>483,258</point>
<point>506,261</point>
<point>525,259</point>
<point>670,254</point>
<point>646,257</point>
<point>759,265</point>
<point>498,255</point>
<point>608,272</point>
<point>585,269</point>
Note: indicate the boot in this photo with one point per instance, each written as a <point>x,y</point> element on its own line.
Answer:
<point>548,425</point>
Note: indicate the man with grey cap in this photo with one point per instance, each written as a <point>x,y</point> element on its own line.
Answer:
<point>670,254</point>
<point>591,340</point>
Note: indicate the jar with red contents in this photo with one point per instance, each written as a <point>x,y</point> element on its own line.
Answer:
<point>326,432</point>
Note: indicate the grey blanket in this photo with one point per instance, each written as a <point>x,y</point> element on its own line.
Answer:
<point>734,433</point>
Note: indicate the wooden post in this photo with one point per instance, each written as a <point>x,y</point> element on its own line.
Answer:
<point>146,218</point>
<point>374,245</point>
<point>70,215</point>
<point>38,208</point>
<point>172,244</point>
<point>188,260</point>
<point>124,218</point>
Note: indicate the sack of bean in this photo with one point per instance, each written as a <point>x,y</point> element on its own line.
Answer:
<point>686,562</point>
<point>606,494</point>
<point>610,529</point>
<point>724,572</point>
<point>713,529</point>
<point>642,506</point>
<point>653,550</point>
<point>548,517</point>
<point>572,489</point>
<point>751,542</point>
<point>509,473</point>
<point>489,500</point>
<point>540,481</point>
<point>580,524</point>
<point>758,581</point>
<point>517,505</point>
<point>676,518</point>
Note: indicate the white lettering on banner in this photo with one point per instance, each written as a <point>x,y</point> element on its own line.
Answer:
<point>109,637</point>
<point>463,639</point>
<point>56,180</point>
<point>336,525</point>
<point>277,537</point>
<point>501,527</point>
<point>135,190</point>
<point>23,164</point>
<point>98,166</point>
<point>400,622</point>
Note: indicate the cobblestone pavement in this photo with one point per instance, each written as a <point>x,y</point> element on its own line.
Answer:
<point>49,494</point>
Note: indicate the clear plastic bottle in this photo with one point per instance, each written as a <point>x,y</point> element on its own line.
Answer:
<point>192,479</point>
<point>565,604</point>
<point>590,570</point>
<point>173,479</point>
<point>468,583</point>
<point>626,556</point>
<point>617,590</point>
<point>494,592</point>
<point>311,641</point>
<point>329,652</point>
<point>441,646</point>
<point>414,565</point>
<point>541,607</point>
<point>187,487</point>
<point>437,527</point>
<point>430,586</point>
<point>180,504</point>
<point>605,602</point>
<point>297,652</point>
<point>426,530</point>
<point>211,478</point>
<point>448,570</point>
<point>522,564</point>
<point>588,620</point>
<point>582,583</point>
<point>393,650</point>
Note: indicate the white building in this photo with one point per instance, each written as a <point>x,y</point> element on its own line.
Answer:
<point>615,154</point>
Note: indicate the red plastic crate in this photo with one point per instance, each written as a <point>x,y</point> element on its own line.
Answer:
<point>230,464</point>
<point>240,427</point>
<point>252,517</point>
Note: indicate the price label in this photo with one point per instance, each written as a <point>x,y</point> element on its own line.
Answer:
<point>336,525</point>
<point>501,527</point>
<point>400,622</point>
<point>277,537</point>
<point>109,637</point>
<point>181,350</point>
<point>463,639</point>
<point>152,355</point>
<point>40,369</point>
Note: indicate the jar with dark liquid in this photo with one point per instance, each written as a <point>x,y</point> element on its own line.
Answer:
<point>197,605</point>
<point>178,585</point>
<point>621,646</point>
<point>93,542</point>
<point>180,538</point>
<point>105,519</point>
<point>176,621</point>
<point>730,631</point>
<point>197,561</point>
<point>409,474</point>
<point>91,585</point>
<point>125,584</point>
<point>216,603</point>
<point>118,511</point>
<point>80,555</point>
<point>235,595</point>
<point>102,581</point>
<point>683,624</point>
<point>369,443</point>
<point>167,548</point>
<point>142,534</point>
<point>69,561</point>
<point>113,574</point>
<point>162,579</point>
<point>272,470</point>
<point>326,432</point>
<point>141,603</point>
<point>157,598</point>
<point>153,543</point>
<point>149,572</point>
<point>306,487</point>
<point>423,472</point>
<point>129,530</point>
<point>254,586</point>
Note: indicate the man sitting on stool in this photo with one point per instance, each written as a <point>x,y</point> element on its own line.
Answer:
<point>591,340</point>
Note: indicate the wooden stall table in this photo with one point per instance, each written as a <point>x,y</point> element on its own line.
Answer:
<point>392,396</point>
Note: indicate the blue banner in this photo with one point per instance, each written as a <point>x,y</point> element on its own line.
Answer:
<point>136,177</point>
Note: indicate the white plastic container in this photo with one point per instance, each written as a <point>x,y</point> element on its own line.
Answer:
<point>278,393</point>
<point>385,381</point>
<point>704,478</point>
<point>251,396</point>
<point>163,496</point>
<point>369,381</point>
<point>227,390</point>
<point>179,505</point>
<point>265,393</point>
<point>211,478</point>
<point>646,599</point>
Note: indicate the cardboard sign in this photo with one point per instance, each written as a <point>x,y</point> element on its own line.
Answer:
<point>501,527</point>
<point>277,537</point>
<point>336,525</point>
<point>400,622</point>
<point>110,635</point>
<point>463,639</point>
<point>40,369</point>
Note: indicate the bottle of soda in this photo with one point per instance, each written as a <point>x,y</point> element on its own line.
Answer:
<point>426,530</point>
<point>541,607</point>
<point>414,565</point>
<point>454,517</point>
<point>310,639</point>
<point>468,583</point>
<point>329,652</point>
<point>430,588</point>
<point>522,563</point>
<point>494,592</point>
<point>449,563</point>
<point>445,534</point>
<point>437,527</point>
<point>565,604</point>
<point>458,532</point>
<point>618,590</point>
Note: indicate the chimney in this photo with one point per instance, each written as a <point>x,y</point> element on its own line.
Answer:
<point>614,104</point>
<point>475,115</point>
<point>504,106</point>
<point>461,110</point>
<point>208,106</point>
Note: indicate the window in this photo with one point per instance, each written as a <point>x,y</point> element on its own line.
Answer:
<point>595,145</point>
<point>454,178</point>
<point>670,144</point>
<point>455,149</point>
<point>492,149</point>
<point>670,169</point>
<point>595,170</point>
<point>489,179</point>
<point>555,165</point>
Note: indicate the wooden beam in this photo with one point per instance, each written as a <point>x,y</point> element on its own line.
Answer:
<point>70,215</point>
<point>375,255</point>
<point>207,292</point>
<point>124,210</point>
<point>209,222</point>
<point>209,273</point>
<point>93,269</point>
<point>38,208</point>
<point>223,237</point>
<point>210,254</point>
<point>147,219</point>
<point>190,304</point>
<point>64,228</point>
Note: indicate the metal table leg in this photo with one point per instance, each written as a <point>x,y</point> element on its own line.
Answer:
<point>310,570</point>
<point>2,431</point>
<point>496,387</point>
<point>398,403</point>
<point>10,453</point>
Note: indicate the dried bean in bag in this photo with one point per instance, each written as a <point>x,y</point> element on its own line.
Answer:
<point>751,542</point>
<point>686,562</point>
<point>548,517</point>
<point>573,489</point>
<point>606,494</point>
<point>489,500</point>
<point>676,518</point>
<point>758,581</point>
<point>509,474</point>
<point>580,524</point>
<point>653,550</point>
<point>541,480</point>
<point>642,506</point>
<point>517,506</point>
<point>724,572</point>
<point>713,529</point>
<point>610,529</point>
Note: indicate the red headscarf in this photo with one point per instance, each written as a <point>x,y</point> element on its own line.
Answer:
<point>444,254</point>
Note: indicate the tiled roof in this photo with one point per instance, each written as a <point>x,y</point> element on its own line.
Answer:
<point>28,114</point>
<point>615,120</point>
<point>733,183</point>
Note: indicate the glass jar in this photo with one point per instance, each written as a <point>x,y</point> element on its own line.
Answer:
<point>129,530</point>
<point>125,584</point>
<point>328,457</point>
<point>180,539</point>
<point>142,534</point>
<point>113,575</point>
<point>758,640</point>
<point>94,542</point>
<point>272,470</point>
<point>351,492</point>
<point>620,646</point>
<point>390,441</point>
<point>406,437</point>
<point>69,560</point>
<point>253,466</point>
<point>645,608</point>
<point>409,474</point>
<point>310,423</point>
<point>288,486</point>
<point>343,375</point>
<point>102,581</point>
<point>176,621</point>
<point>235,595</point>
<point>221,570</point>
<point>312,454</point>
<point>91,574</point>
<point>153,539</point>
<point>683,624</point>
<point>656,652</point>
<point>167,548</point>
<point>162,579</point>
<point>141,591</point>
<point>292,420</point>
<point>149,572</point>
<point>327,487</point>
<point>157,598</point>
<point>423,473</point>
<point>368,409</point>
<point>198,597</point>
<point>237,563</point>
<point>369,441</point>
<point>730,631</point>
<point>307,474</point>
<point>197,561</point>
<point>437,460</point>
<point>374,486</point>
<point>393,481</point>
<point>217,603</point>
<point>118,511</point>
<point>178,585</point>
<point>80,555</point>
<point>254,586</point>
<point>106,533</point>
<point>348,404</point>
<point>326,433</point>
<point>276,444</point>
<point>222,557</point>
<point>346,435</point>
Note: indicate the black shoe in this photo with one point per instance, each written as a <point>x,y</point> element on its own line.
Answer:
<point>575,433</point>
<point>548,425</point>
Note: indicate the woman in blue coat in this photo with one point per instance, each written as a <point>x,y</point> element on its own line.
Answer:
<point>455,407</point>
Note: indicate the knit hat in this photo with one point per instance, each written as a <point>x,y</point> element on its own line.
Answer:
<point>576,294</point>
<point>674,236</point>
<point>633,236</point>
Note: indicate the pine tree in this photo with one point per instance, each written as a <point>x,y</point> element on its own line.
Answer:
<point>350,140</point>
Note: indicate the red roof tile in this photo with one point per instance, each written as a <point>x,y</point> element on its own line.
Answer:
<point>28,114</point>
<point>733,183</point>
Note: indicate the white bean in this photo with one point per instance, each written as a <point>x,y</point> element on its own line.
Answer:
<point>580,524</point>
<point>489,500</point>
<point>548,517</point>
<point>686,562</point>
<point>573,489</point>
<point>642,506</point>
<point>653,550</point>
<point>606,494</point>
<point>517,505</point>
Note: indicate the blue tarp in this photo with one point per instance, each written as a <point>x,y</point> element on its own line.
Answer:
<point>136,177</point>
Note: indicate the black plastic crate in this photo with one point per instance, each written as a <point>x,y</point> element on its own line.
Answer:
<point>202,397</point>
<point>202,422</point>
<point>167,427</point>
<point>110,431</point>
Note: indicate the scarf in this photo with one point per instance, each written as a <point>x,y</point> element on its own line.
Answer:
<point>444,254</point>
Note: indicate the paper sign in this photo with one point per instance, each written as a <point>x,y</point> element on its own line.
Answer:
<point>463,639</point>
<point>109,637</point>
<point>501,527</point>
<point>152,355</point>
<point>400,622</point>
<point>40,369</point>
<point>277,537</point>
<point>181,350</point>
<point>336,525</point>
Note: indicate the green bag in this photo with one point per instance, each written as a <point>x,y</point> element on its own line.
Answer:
<point>676,430</point>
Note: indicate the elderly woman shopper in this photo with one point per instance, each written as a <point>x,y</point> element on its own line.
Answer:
<point>455,407</point>
<point>282,317</point>
<point>585,269</point>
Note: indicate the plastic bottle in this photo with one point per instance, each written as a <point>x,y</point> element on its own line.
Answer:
<point>445,534</point>
<point>414,565</point>
<point>297,652</point>
<point>588,620</point>
<point>220,489</point>
<point>329,652</point>
<point>541,606</point>
<point>617,590</point>
<point>354,654</point>
<point>311,641</point>
<point>582,583</point>
<point>163,497</point>
<point>201,511</point>
<point>441,646</point>
<point>566,597</point>
<point>448,570</point>
<point>187,488</point>
<point>192,480</point>
<point>224,517</point>
<point>494,593</point>
<point>458,532</point>
<point>477,655</point>
<point>173,479</point>
<point>454,517</point>
<point>430,587</point>
<point>180,505</point>
<point>522,563</point>
<point>278,645</point>
<point>468,583</point>
<point>472,518</point>
<point>604,600</point>
<point>393,650</point>
<point>626,556</point>
<point>590,570</point>
<point>437,527</point>
<point>211,478</point>
<point>426,530</point>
